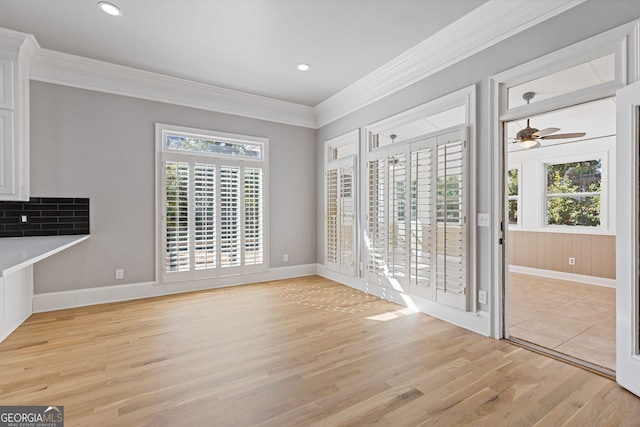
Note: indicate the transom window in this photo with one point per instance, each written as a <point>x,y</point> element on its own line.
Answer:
<point>213,198</point>
<point>588,74</point>
<point>212,145</point>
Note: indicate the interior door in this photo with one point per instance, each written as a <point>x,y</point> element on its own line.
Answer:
<point>628,247</point>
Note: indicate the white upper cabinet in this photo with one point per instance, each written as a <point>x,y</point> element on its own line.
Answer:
<point>16,50</point>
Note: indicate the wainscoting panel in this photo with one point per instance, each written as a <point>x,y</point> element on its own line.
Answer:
<point>595,255</point>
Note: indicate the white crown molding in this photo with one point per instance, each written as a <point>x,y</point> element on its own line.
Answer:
<point>15,41</point>
<point>485,26</point>
<point>76,71</point>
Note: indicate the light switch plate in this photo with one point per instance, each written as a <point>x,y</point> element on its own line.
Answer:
<point>483,220</point>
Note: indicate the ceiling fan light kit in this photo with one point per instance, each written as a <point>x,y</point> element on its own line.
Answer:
<point>530,137</point>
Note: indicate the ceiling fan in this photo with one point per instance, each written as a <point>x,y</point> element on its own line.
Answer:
<point>530,137</point>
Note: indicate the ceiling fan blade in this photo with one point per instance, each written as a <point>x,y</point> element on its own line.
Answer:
<point>545,132</point>
<point>565,135</point>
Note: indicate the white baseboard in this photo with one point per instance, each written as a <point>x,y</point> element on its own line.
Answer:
<point>106,294</point>
<point>10,325</point>
<point>591,280</point>
<point>479,322</point>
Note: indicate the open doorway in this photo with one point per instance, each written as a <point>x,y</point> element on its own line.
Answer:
<point>560,264</point>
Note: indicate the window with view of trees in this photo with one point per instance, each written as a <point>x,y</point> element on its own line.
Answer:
<point>213,205</point>
<point>513,195</point>
<point>574,193</point>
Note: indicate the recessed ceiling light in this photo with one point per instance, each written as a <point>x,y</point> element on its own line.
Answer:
<point>109,8</point>
<point>303,67</point>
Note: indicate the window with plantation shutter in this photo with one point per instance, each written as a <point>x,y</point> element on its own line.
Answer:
<point>205,216</point>
<point>230,216</point>
<point>376,238</point>
<point>451,265</point>
<point>416,217</point>
<point>347,217</point>
<point>213,204</point>
<point>176,216</point>
<point>396,220</point>
<point>253,217</point>
<point>421,247</point>
<point>340,213</point>
<point>332,216</point>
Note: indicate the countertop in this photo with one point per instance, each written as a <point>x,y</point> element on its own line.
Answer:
<point>19,252</point>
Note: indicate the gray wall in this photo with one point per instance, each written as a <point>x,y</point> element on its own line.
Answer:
<point>579,23</point>
<point>91,144</point>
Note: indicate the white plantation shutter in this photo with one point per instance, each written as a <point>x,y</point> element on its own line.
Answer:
<point>214,219</point>
<point>331,247</point>
<point>205,216</point>
<point>254,217</point>
<point>416,218</point>
<point>347,218</point>
<point>376,230</point>
<point>340,246</point>
<point>396,221</point>
<point>451,234</point>
<point>421,236</point>
<point>176,205</point>
<point>230,217</point>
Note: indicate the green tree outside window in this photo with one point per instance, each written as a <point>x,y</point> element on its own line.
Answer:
<point>574,193</point>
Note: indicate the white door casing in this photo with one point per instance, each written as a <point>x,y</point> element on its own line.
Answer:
<point>628,244</point>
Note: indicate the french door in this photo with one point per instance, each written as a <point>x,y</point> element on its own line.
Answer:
<point>628,240</point>
<point>417,218</point>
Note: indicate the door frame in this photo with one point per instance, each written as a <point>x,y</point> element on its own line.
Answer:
<point>623,41</point>
<point>628,242</point>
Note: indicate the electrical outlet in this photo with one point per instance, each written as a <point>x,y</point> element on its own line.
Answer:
<point>119,274</point>
<point>24,218</point>
<point>482,297</point>
<point>572,261</point>
<point>285,257</point>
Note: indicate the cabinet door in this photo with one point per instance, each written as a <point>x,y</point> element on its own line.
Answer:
<point>8,159</point>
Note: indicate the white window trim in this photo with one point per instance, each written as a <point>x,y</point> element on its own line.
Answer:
<point>467,97</point>
<point>624,40</point>
<point>161,153</point>
<point>621,41</point>
<point>352,137</point>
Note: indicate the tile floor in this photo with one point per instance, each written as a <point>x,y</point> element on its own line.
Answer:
<point>576,319</point>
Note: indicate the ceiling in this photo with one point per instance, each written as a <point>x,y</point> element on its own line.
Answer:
<point>247,45</point>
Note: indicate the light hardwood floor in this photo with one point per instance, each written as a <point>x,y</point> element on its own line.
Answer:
<point>295,352</point>
<point>576,319</point>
